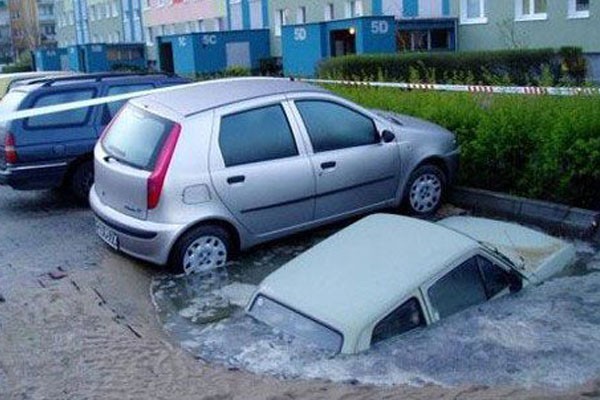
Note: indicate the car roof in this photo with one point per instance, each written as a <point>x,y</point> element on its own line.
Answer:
<point>365,270</point>
<point>84,78</point>
<point>193,99</point>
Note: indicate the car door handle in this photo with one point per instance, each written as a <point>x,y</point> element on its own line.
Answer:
<point>236,179</point>
<point>328,165</point>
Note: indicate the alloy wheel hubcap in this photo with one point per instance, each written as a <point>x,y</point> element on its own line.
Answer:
<point>425,193</point>
<point>204,254</point>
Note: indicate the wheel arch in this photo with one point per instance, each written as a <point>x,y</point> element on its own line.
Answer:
<point>220,222</point>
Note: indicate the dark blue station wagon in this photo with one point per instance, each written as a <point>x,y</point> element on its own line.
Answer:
<point>55,150</point>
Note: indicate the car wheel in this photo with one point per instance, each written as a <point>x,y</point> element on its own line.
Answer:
<point>82,181</point>
<point>425,190</point>
<point>202,249</point>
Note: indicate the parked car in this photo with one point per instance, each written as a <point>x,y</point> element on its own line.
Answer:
<point>7,81</point>
<point>55,150</point>
<point>387,274</point>
<point>190,176</point>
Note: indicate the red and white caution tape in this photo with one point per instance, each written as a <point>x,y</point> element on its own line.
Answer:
<point>525,90</point>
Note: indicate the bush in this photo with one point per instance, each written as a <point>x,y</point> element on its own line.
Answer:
<point>542,147</point>
<point>24,63</point>
<point>515,67</point>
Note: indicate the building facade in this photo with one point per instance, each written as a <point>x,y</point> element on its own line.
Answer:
<point>414,32</point>
<point>509,24</point>
<point>99,21</point>
<point>6,52</point>
<point>171,17</point>
<point>32,24</point>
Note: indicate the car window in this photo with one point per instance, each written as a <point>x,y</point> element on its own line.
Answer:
<point>78,116</point>
<point>460,288</point>
<point>136,137</point>
<point>10,103</point>
<point>495,279</point>
<point>290,321</point>
<point>332,126</point>
<point>111,109</point>
<point>260,134</point>
<point>403,319</point>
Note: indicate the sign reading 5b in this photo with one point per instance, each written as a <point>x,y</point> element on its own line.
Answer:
<point>380,27</point>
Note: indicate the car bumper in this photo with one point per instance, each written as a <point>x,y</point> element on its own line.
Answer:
<point>33,177</point>
<point>149,241</point>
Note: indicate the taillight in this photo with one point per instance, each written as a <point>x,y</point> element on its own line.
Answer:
<point>157,178</point>
<point>10,151</point>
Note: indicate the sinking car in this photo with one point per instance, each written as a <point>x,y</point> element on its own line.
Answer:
<point>387,274</point>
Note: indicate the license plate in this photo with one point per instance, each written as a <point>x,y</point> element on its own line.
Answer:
<point>108,235</point>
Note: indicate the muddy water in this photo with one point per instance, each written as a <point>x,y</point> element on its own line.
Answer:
<point>547,335</point>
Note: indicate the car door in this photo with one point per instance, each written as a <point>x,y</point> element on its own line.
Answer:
<point>259,169</point>
<point>354,169</point>
<point>473,281</point>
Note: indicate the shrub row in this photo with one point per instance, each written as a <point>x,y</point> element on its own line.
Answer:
<point>540,147</point>
<point>543,67</point>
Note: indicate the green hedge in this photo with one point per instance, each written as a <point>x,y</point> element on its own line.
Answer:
<point>543,67</point>
<point>541,147</point>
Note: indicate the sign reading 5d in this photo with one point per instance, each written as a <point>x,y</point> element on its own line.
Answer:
<point>380,27</point>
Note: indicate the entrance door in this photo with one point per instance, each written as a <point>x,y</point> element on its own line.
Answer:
<point>82,63</point>
<point>166,58</point>
<point>342,43</point>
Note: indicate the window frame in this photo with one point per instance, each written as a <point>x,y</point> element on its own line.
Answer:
<point>340,104</point>
<point>520,16</point>
<point>422,309</point>
<point>572,12</point>
<point>105,107</point>
<point>464,14</point>
<point>254,107</point>
<point>85,122</point>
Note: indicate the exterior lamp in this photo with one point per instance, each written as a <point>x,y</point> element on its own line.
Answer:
<point>352,30</point>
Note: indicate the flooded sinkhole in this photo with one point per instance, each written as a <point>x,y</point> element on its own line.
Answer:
<point>547,335</point>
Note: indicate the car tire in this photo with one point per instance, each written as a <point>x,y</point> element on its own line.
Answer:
<point>425,190</point>
<point>81,181</point>
<point>202,249</point>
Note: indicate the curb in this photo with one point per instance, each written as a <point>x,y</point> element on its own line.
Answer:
<point>556,218</point>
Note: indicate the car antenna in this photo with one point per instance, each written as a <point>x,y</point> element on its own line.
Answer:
<point>512,243</point>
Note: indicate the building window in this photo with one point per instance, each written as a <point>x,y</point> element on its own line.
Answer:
<point>579,8</point>
<point>354,9</point>
<point>301,15</point>
<point>200,26</point>
<point>219,24</point>
<point>472,12</point>
<point>92,13</point>
<point>329,14</point>
<point>235,15</point>
<point>149,37</point>
<point>531,10</point>
<point>280,20</point>
<point>115,9</point>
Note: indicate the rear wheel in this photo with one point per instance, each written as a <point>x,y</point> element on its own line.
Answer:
<point>82,181</point>
<point>425,190</point>
<point>202,249</point>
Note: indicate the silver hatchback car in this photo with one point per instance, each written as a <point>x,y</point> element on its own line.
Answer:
<point>190,176</point>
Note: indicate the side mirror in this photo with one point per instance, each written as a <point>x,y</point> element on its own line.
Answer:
<point>387,136</point>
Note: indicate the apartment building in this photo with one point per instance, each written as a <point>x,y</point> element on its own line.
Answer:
<point>32,24</point>
<point>171,17</point>
<point>99,21</point>
<point>6,52</point>
<point>509,24</point>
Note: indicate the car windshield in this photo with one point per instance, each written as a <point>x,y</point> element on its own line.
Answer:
<point>136,137</point>
<point>287,320</point>
<point>10,103</point>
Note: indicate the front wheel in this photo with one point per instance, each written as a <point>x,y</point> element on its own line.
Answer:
<point>426,189</point>
<point>202,249</point>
